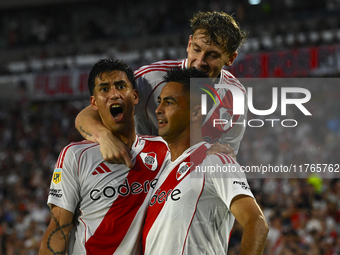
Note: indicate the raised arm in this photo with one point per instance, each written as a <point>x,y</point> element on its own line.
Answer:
<point>56,237</point>
<point>249,215</point>
<point>90,126</point>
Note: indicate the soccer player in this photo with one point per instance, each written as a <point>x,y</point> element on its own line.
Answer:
<point>107,201</point>
<point>214,42</point>
<point>192,210</point>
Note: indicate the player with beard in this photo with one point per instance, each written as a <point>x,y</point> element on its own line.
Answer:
<point>192,210</point>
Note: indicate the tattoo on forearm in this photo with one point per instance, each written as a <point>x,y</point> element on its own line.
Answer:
<point>85,133</point>
<point>58,230</point>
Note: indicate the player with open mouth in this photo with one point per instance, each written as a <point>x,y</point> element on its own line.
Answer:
<point>117,112</point>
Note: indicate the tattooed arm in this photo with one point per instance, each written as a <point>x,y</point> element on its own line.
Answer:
<point>91,127</point>
<point>56,237</point>
<point>89,124</point>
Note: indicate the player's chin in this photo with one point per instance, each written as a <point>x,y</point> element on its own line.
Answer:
<point>161,131</point>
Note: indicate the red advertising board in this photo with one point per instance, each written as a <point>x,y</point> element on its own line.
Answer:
<point>303,62</point>
<point>65,84</point>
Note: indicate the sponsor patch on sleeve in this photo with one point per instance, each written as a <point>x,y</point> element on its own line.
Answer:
<point>242,184</point>
<point>56,193</point>
<point>56,175</point>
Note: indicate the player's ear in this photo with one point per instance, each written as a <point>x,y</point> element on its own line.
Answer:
<point>196,113</point>
<point>189,43</point>
<point>231,59</point>
<point>135,97</point>
<point>93,103</point>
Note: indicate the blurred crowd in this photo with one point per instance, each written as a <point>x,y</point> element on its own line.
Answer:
<point>32,135</point>
<point>288,23</point>
<point>303,213</point>
<point>44,24</point>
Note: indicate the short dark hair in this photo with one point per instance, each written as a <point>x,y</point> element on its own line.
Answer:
<point>221,28</point>
<point>109,65</point>
<point>183,76</point>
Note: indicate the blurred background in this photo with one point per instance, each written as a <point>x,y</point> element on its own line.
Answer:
<point>47,48</point>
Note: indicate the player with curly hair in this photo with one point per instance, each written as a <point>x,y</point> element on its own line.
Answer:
<point>214,43</point>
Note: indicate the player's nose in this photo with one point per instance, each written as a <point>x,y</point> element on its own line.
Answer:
<point>200,61</point>
<point>159,109</point>
<point>114,93</point>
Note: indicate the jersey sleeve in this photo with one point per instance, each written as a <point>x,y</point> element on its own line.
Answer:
<point>235,134</point>
<point>221,123</point>
<point>149,83</point>
<point>141,86</point>
<point>229,180</point>
<point>149,86</point>
<point>142,121</point>
<point>65,187</point>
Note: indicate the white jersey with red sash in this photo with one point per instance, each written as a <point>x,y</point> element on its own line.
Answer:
<point>111,198</point>
<point>149,83</point>
<point>189,211</point>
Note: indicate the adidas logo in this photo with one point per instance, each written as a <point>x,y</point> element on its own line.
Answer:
<point>101,169</point>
